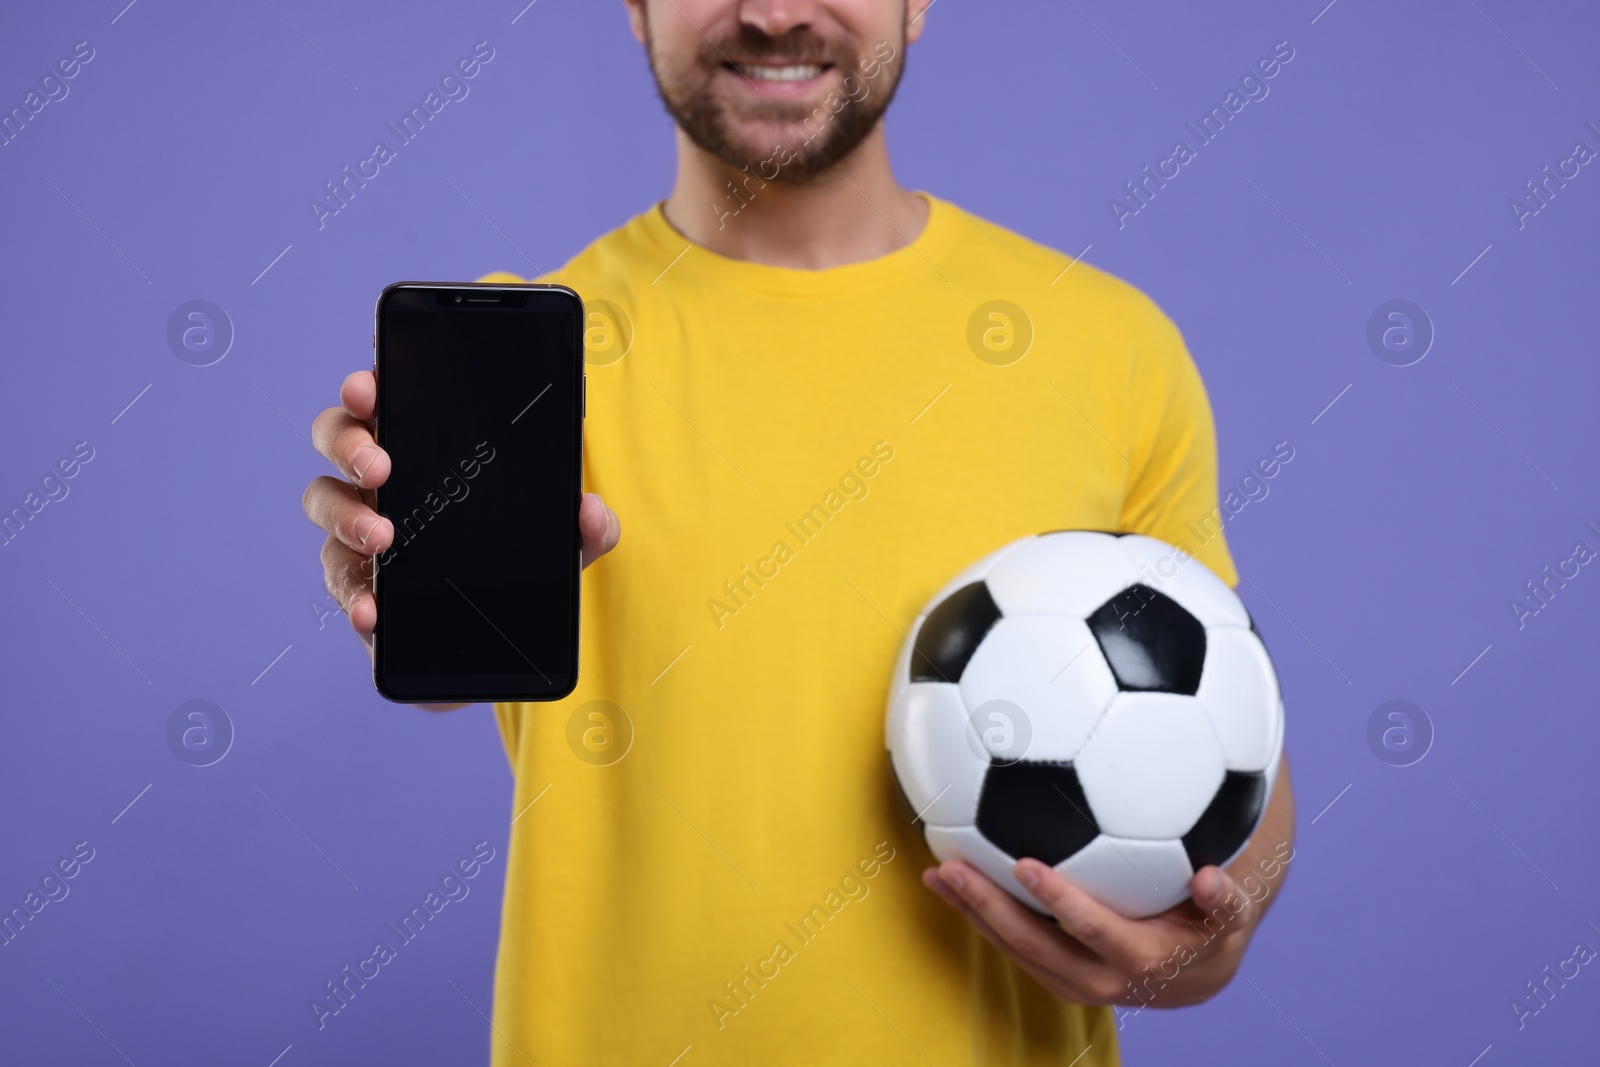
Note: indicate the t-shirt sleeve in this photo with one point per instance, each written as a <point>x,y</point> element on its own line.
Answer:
<point>1172,478</point>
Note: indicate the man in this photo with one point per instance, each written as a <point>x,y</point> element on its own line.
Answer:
<point>818,415</point>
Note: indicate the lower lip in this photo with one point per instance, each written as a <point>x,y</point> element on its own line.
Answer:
<point>785,89</point>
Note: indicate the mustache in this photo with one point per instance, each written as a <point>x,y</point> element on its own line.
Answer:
<point>799,46</point>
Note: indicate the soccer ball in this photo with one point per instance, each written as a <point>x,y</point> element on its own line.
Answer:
<point>1100,702</point>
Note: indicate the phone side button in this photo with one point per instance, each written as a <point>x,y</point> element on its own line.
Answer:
<point>585,412</point>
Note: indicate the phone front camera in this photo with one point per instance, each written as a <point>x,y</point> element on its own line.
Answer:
<point>458,298</point>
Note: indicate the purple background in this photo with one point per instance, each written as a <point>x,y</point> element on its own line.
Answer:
<point>1379,566</point>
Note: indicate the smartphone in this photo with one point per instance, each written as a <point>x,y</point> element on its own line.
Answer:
<point>480,407</point>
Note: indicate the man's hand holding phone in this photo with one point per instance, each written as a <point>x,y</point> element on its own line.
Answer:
<point>345,507</point>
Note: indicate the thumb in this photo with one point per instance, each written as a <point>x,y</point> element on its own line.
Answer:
<point>599,527</point>
<point>1211,886</point>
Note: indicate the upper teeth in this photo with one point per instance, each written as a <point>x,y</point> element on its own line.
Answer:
<point>784,74</point>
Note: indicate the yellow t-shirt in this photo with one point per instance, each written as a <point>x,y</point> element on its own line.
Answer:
<point>800,459</point>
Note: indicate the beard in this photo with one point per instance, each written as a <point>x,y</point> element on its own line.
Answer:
<point>817,137</point>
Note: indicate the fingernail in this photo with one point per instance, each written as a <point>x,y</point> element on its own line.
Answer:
<point>361,459</point>
<point>1027,875</point>
<point>1210,882</point>
<point>952,878</point>
<point>365,526</point>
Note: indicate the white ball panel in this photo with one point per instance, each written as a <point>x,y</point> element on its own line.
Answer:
<point>1239,690</point>
<point>1272,780</point>
<point>1132,877</point>
<point>1189,582</point>
<point>1277,736</point>
<point>1051,668</point>
<point>978,571</point>
<point>1067,573</point>
<point>936,766</point>
<point>966,843</point>
<point>1151,766</point>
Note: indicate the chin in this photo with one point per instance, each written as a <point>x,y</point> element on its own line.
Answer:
<point>755,142</point>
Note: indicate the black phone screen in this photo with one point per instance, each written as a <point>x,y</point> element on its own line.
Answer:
<point>480,395</point>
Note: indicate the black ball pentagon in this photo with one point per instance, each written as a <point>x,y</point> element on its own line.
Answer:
<point>1035,808</point>
<point>1228,819</point>
<point>951,633</point>
<point>1150,641</point>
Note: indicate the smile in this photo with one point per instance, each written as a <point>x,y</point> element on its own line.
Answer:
<point>795,73</point>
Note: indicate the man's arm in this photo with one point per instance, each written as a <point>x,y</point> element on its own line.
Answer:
<point>1095,956</point>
